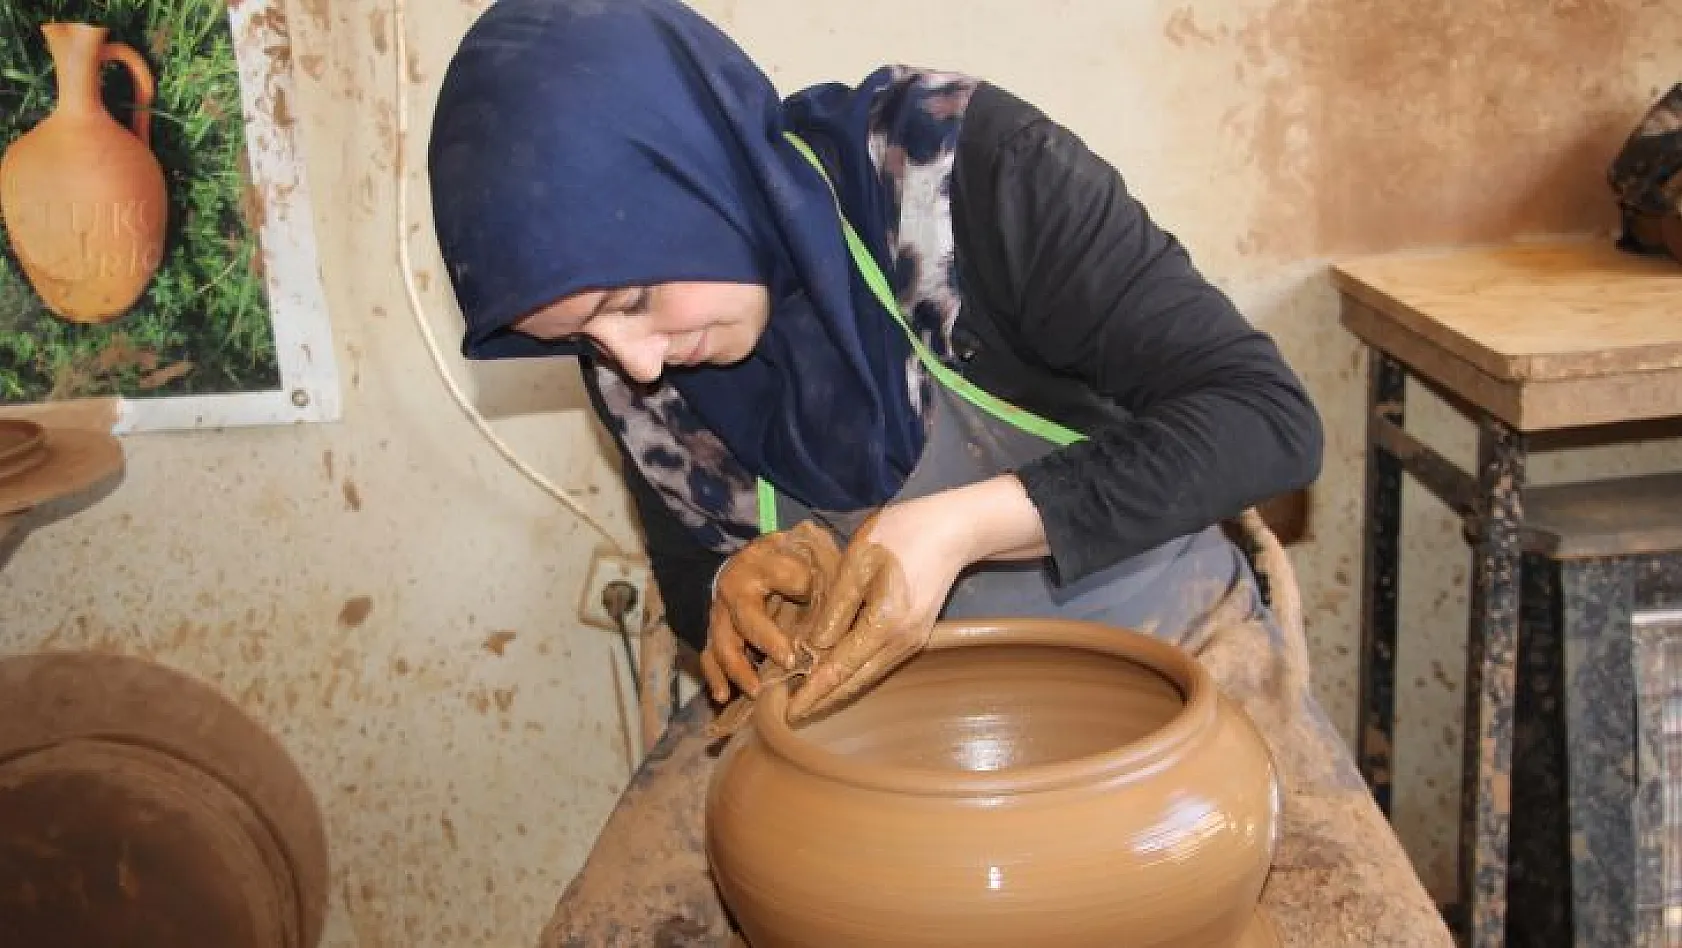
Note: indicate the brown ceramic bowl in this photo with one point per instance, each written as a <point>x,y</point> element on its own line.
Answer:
<point>1019,783</point>
<point>19,438</point>
<point>83,804</point>
<point>23,447</point>
<point>141,807</point>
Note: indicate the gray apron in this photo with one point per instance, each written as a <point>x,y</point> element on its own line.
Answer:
<point>973,436</point>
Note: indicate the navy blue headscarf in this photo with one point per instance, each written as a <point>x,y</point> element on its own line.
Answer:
<point>588,144</point>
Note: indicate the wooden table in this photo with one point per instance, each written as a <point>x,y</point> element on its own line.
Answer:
<point>1523,338</point>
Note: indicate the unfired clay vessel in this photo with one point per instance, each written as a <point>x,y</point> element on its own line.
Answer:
<point>20,437</point>
<point>23,447</point>
<point>141,807</point>
<point>1018,783</point>
<point>82,196</point>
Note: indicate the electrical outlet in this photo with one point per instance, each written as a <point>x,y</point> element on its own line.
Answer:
<point>608,567</point>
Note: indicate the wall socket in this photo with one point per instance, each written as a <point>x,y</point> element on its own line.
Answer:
<point>606,567</point>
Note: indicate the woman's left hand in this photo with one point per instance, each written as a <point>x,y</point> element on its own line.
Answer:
<point>895,577</point>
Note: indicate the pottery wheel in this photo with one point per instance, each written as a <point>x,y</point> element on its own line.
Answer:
<point>19,437</point>
<point>23,447</point>
<point>140,808</point>
<point>69,461</point>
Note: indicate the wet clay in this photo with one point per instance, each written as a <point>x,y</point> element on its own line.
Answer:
<point>736,714</point>
<point>108,844</point>
<point>656,666</point>
<point>996,770</point>
<point>141,808</point>
<point>1340,876</point>
<point>862,633</point>
<point>1262,933</point>
<point>765,597</point>
<point>806,557</point>
<point>847,616</point>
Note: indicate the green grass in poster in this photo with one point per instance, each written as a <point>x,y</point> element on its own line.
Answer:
<point>203,325</point>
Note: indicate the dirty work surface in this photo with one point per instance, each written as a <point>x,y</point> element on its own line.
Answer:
<point>1340,877</point>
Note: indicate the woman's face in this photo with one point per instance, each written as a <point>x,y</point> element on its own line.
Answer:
<point>646,328</point>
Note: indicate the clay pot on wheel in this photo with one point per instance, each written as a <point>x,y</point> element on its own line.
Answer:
<point>1018,783</point>
<point>141,808</point>
<point>83,197</point>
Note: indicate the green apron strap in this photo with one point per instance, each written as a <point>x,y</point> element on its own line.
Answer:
<point>1019,418</point>
<point>767,507</point>
<point>1004,411</point>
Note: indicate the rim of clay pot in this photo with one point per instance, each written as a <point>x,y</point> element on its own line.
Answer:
<point>1177,666</point>
<point>18,437</point>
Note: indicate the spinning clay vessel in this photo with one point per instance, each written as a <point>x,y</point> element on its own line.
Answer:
<point>1020,782</point>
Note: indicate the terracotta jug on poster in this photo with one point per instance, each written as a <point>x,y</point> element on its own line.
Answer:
<point>81,196</point>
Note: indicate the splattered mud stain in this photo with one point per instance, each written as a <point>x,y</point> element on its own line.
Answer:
<point>1377,125</point>
<point>497,642</point>
<point>281,110</point>
<point>353,497</point>
<point>317,10</point>
<point>356,611</point>
<point>377,30</point>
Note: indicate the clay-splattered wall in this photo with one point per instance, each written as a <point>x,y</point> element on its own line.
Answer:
<point>353,584</point>
<point>1383,124</point>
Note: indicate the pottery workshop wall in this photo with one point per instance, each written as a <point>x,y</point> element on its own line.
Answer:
<point>398,605</point>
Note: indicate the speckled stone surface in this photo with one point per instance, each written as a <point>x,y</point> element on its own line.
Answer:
<point>1593,761</point>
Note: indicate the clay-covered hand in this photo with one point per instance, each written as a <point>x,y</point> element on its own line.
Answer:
<point>881,605</point>
<point>895,577</point>
<point>764,593</point>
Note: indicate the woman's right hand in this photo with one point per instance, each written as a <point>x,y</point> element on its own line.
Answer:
<point>764,592</point>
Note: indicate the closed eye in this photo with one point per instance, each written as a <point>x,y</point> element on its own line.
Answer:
<point>638,304</point>
<point>621,304</point>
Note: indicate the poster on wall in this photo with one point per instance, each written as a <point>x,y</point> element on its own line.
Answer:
<point>156,243</point>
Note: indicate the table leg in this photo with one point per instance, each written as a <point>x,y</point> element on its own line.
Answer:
<point>1492,646</point>
<point>1374,746</point>
<point>1598,597</point>
<point>1539,854</point>
<point>1656,625</point>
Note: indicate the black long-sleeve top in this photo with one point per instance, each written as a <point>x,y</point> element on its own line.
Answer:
<point>1077,306</point>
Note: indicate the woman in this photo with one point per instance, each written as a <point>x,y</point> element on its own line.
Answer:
<point>918,301</point>
<point>807,312</point>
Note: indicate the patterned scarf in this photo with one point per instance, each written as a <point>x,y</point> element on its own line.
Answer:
<point>581,144</point>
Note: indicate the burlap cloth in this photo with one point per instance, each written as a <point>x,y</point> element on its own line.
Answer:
<point>1340,876</point>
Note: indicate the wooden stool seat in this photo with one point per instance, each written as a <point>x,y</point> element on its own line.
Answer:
<point>1626,516</point>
